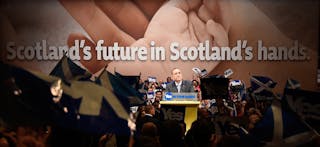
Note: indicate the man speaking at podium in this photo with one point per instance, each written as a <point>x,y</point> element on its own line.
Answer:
<point>180,99</point>
<point>179,85</point>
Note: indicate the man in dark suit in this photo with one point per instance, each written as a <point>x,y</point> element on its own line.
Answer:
<point>179,85</point>
<point>148,117</point>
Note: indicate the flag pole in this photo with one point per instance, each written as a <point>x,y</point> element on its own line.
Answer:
<point>302,120</point>
<point>312,129</point>
<point>104,68</point>
<point>252,95</point>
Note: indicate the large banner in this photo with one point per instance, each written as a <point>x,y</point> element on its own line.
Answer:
<point>272,38</point>
<point>68,63</point>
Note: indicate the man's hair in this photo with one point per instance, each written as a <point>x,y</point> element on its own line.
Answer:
<point>174,69</point>
<point>159,90</point>
<point>148,108</point>
<point>149,129</point>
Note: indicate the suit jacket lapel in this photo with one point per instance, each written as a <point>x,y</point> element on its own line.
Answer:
<point>174,87</point>
<point>181,86</point>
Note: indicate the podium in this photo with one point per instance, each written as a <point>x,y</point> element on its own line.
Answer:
<point>181,107</point>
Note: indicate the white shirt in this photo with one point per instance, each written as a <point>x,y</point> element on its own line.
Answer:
<point>178,85</point>
<point>148,115</point>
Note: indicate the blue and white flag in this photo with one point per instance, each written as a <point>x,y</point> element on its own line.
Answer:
<point>91,106</point>
<point>132,80</point>
<point>67,70</point>
<point>262,84</point>
<point>262,88</point>
<point>306,104</point>
<point>122,87</point>
<point>280,126</point>
<point>66,99</point>
<point>292,84</point>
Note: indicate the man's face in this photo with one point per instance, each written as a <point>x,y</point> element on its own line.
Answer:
<point>158,95</point>
<point>254,118</point>
<point>176,75</point>
<point>153,111</point>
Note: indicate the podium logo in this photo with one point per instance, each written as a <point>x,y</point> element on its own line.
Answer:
<point>168,96</point>
<point>171,115</point>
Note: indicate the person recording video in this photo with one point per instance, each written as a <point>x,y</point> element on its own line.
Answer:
<point>178,84</point>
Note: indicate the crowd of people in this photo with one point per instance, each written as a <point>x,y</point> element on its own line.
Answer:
<point>220,122</point>
<point>204,131</point>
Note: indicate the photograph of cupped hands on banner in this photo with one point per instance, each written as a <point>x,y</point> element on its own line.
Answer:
<point>209,34</point>
<point>93,51</point>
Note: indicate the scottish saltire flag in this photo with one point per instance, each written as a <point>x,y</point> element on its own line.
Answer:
<point>262,88</point>
<point>262,85</point>
<point>89,106</point>
<point>292,84</point>
<point>132,85</point>
<point>81,105</point>
<point>92,108</point>
<point>121,88</point>
<point>281,126</point>
<point>77,111</point>
<point>67,70</point>
<point>132,80</point>
<point>306,104</point>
